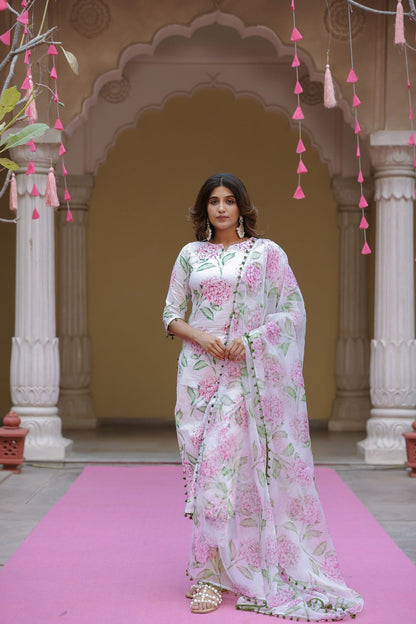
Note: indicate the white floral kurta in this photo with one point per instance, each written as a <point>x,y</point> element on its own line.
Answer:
<point>258,526</point>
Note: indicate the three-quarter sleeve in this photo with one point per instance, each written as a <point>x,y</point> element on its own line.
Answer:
<point>179,292</point>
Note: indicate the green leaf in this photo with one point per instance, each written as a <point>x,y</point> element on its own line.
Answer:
<point>209,314</point>
<point>261,431</point>
<point>280,434</point>
<point>206,265</point>
<point>285,347</point>
<point>9,164</point>
<point>291,526</point>
<point>248,522</point>
<point>24,135</point>
<point>8,101</point>
<point>290,391</point>
<point>72,60</point>
<point>200,364</point>
<point>184,361</point>
<point>261,477</point>
<point>184,264</point>
<point>265,574</point>
<point>233,549</point>
<point>227,257</point>
<point>276,468</point>
<point>206,574</point>
<point>289,327</point>
<point>255,451</point>
<point>312,533</point>
<point>226,400</point>
<point>273,292</point>
<point>245,572</point>
<point>320,549</point>
<point>230,509</point>
<point>191,393</point>
<point>289,449</point>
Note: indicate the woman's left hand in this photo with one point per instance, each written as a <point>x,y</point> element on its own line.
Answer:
<point>235,350</point>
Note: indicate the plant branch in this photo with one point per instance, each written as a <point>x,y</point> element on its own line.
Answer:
<point>411,13</point>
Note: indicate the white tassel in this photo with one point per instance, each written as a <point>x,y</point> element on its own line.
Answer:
<point>329,90</point>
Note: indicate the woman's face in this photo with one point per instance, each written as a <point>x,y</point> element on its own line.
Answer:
<point>222,209</point>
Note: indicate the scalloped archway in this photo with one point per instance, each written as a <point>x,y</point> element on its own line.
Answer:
<point>181,60</point>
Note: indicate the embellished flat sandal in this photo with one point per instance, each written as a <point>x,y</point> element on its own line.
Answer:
<point>206,599</point>
<point>192,591</point>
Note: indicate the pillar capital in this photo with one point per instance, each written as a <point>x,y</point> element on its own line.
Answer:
<point>80,187</point>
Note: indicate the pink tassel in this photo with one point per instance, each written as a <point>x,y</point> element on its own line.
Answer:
<point>28,54</point>
<point>3,5</point>
<point>399,25</point>
<point>363,224</point>
<point>357,128</point>
<point>301,167</point>
<point>67,196</point>
<point>31,110</point>
<point>69,215</point>
<point>52,50</point>
<point>51,196</point>
<point>31,145</point>
<point>53,74</point>
<point>295,62</point>
<point>24,18</point>
<point>298,114</point>
<point>410,113</point>
<point>24,4</point>
<point>295,36</point>
<point>358,152</point>
<point>34,192</point>
<point>292,5</point>
<point>411,139</point>
<point>64,171</point>
<point>35,214</point>
<point>298,194</point>
<point>56,96</point>
<point>13,193</point>
<point>363,202</point>
<point>360,178</point>
<point>62,150</point>
<point>329,91</point>
<point>352,76</point>
<point>355,101</point>
<point>5,38</point>
<point>298,88</point>
<point>25,30</point>
<point>366,249</point>
<point>58,124</point>
<point>26,84</point>
<point>408,81</point>
<point>300,147</point>
<point>30,167</point>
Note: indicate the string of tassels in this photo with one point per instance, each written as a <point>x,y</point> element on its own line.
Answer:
<point>399,25</point>
<point>298,114</point>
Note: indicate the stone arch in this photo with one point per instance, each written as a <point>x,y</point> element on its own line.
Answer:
<point>147,79</point>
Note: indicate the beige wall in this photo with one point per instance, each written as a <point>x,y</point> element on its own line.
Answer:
<point>138,224</point>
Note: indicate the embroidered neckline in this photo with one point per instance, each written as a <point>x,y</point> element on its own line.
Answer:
<point>248,241</point>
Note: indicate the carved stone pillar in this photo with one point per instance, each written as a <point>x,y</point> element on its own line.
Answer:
<point>34,370</point>
<point>351,407</point>
<point>75,404</point>
<point>393,350</point>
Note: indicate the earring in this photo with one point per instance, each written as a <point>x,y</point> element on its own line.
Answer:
<point>240,227</point>
<point>208,231</point>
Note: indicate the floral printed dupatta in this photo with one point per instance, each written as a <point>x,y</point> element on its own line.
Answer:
<point>258,527</point>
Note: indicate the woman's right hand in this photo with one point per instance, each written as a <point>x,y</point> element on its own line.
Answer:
<point>212,345</point>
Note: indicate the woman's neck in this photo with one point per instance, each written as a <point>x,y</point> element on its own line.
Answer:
<point>226,239</point>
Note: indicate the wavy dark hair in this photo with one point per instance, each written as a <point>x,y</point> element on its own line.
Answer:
<point>198,213</point>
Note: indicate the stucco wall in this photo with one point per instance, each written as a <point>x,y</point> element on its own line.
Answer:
<point>138,224</point>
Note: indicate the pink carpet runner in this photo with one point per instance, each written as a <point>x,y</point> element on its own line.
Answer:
<point>113,550</point>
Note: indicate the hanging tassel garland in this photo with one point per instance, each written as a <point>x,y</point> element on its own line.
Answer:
<point>53,73</point>
<point>24,18</point>
<point>31,145</point>
<point>5,38</point>
<point>34,192</point>
<point>363,223</point>
<point>358,152</point>
<point>295,36</point>
<point>363,202</point>
<point>295,62</point>
<point>58,124</point>
<point>355,101</point>
<point>411,140</point>
<point>3,5</point>
<point>301,167</point>
<point>52,50</point>
<point>13,193</point>
<point>300,147</point>
<point>30,167</point>
<point>366,249</point>
<point>298,114</point>
<point>69,215</point>
<point>35,214</point>
<point>26,84</point>
<point>298,88</point>
<point>67,196</point>
<point>55,96</point>
<point>352,76</point>
<point>399,25</point>
<point>360,178</point>
<point>299,194</point>
<point>62,150</point>
<point>329,90</point>
<point>357,128</point>
<point>51,196</point>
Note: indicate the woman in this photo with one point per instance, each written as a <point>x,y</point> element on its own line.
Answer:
<point>258,526</point>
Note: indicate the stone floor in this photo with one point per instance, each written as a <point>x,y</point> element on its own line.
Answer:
<point>386,491</point>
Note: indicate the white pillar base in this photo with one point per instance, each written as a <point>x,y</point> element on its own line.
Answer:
<point>44,440</point>
<point>77,409</point>
<point>385,443</point>
<point>350,411</point>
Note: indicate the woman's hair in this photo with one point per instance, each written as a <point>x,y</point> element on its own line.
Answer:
<point>198,213</point>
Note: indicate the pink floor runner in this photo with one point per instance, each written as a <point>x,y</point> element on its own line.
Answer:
<point>113,551</point>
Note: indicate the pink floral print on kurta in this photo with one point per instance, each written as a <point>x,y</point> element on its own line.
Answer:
<point>258,526</point>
